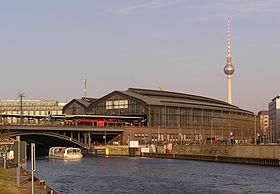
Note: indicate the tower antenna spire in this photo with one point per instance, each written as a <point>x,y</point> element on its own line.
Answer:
<point>228,49</point>
<point>228,69</point>
<point>85,88</point>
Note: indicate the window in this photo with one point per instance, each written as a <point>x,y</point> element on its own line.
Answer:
<point>117,104</point>
<point>109,104</point>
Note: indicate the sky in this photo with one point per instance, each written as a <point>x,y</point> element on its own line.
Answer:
<point>48,48</point>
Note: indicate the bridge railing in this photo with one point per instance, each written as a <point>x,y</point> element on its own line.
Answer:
<point>54,124</point>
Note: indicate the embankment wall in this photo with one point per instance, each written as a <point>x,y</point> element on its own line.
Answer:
<point>259,151</point>
<point>250,151</point>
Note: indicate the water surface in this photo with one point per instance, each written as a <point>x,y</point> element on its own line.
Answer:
<point>148,175</point>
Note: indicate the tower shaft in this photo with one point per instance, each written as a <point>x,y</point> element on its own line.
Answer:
<point>229,97</point>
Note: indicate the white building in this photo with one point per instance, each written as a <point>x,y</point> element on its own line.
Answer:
<point>274,118</point>
<point>30,107</point>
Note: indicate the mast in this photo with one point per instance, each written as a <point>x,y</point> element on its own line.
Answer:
<point>85,88</point>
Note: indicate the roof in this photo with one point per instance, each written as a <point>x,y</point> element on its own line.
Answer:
<point>167,98</point>
<point>172,99</point>
<point>263,112</point>
<point>83,101</point>
<point>87,100</point>
<point>277,97</point>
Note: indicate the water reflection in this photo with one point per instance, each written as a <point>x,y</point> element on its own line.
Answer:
<point>146,175</point>
<point>53,160</point>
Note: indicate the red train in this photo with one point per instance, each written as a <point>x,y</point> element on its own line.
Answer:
<point>101,122</point>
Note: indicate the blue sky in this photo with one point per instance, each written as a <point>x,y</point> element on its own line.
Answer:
<point>48,48</point>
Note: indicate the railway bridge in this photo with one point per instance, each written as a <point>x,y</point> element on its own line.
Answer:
<point>47,136</point>
<point>81,131</point>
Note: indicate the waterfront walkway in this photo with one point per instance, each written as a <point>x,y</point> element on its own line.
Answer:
<point>25,182</point>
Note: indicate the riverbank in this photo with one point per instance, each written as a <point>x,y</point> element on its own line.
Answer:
<point>25,182</point>
<point>6,184</point>
<point>265,155</point>
<point>8,178</point>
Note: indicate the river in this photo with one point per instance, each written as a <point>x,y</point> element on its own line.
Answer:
<point>148,175</point>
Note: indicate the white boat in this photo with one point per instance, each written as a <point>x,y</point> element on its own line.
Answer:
<point>65,153</point>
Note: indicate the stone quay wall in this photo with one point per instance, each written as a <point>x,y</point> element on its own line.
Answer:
<point>242,151</point>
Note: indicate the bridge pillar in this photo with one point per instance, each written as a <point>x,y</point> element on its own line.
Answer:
<point>71,135</point>
<point>89,140</point>
<point>79,137</point>
<point>85,139</point>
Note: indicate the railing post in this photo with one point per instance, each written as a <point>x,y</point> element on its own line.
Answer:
<point>5,157</point>
<point>33,165</point>
<point>18,161</point>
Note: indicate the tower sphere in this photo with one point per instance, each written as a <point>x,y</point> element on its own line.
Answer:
<point>229,69</point>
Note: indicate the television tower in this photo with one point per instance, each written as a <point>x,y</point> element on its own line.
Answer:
<point>229,69</point>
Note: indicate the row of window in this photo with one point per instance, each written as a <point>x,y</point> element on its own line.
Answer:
<point>16,104</point>
<point>29,108</point>
<point>34,112</point>
<point>117,104</point>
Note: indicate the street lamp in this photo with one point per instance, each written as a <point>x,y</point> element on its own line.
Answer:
<point>105,138</point>
<point>255,127</point>
<point>21,96</point>
<point>270,131</point>
<point>211,128</point>
<point>231,138</point>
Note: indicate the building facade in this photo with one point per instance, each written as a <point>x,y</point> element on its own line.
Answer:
<point>30,107</point>
<point>178,115</point>
<point>263,125</point>
<point>274,118</point>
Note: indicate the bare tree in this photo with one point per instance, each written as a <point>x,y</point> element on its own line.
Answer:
<point>5,133</point>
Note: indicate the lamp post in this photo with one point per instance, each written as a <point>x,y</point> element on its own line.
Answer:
<point>200,135</point>
<point>211,128</point>
<point>230,133</point>
<point>105,138</point>
<point>21,96</point>
<point>270,131</point>
<point>255,127</point>
<point>194,131</point>
<point>5,157</point>
<point>18,161</point>
<point>33,166</point>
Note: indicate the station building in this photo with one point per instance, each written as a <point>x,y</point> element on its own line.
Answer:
<point>173,116</point>
<point>78,106</point>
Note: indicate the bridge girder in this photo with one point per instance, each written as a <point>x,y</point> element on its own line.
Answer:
<point>49,134</point>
